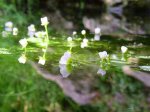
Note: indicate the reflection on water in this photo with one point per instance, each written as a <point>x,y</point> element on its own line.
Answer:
<point>101,72</point>
<point>114,17</point>
<point>86,62</point>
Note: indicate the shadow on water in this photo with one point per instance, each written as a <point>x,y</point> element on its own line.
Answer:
<point>113,18</point>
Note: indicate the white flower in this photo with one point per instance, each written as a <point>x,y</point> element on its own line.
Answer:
<point>97,30</point>
<point>22,59</point>
<point>4,33</point>
<point>114,56</point>
<point>97,37</point>
<point>15,31</point>
<point>124,49</point>
<point>103,54</point>
<point>41,61</point>
<point>40,34</point>
<point>74,33</point>
<point>64,59</point>
<point>8,26</point>
<point>23,42</point>
<point>97,34</point>
<point>63,70</point>
<point>101,71</point>
<point>83,32</point>
<point>44,50</point>
<point>85,40</point>
<point>44,21</point>
<point>69,39</point>
<point>84,43</point>
<point>31,30</point>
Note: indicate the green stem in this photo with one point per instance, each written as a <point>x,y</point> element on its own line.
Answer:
<point>25,50</point>
<point>47,40</point>
<point>70,48</point>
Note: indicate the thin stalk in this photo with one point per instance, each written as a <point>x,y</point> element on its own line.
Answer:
<point>47,41</point>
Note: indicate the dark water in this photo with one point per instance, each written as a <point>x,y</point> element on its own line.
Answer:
<point>120,18</point>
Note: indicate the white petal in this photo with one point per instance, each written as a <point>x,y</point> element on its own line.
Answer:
<point>124,49</point>
<point>63,70</point>
<point>44,21</point>
<point>41,61</point>
<point>83,32</point>
<point>23,42</point>
<point>101,71</point>
<point>97,30</point>
<point>64,59</point>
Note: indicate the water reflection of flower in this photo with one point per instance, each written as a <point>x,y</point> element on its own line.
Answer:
<point>101,72</point>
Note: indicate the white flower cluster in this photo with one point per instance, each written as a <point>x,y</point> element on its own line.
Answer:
<point>84,43</point>
<point>69,39</point>
<point>9,29</point>
<point>64,59</point>
<point>74,33</point>
<point>97,34</point>
<point>23,42</point>
<point>9,26</point>
<point>22,59</point>
<point>63,64</point>
<point>83,32</point>
<point>15,31</point>
<point>103,55</point>
<point>40,34</point>
<point>31,30</point>
<point>41,60</point>
<point>124,49</point>
<point>44,21</point>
